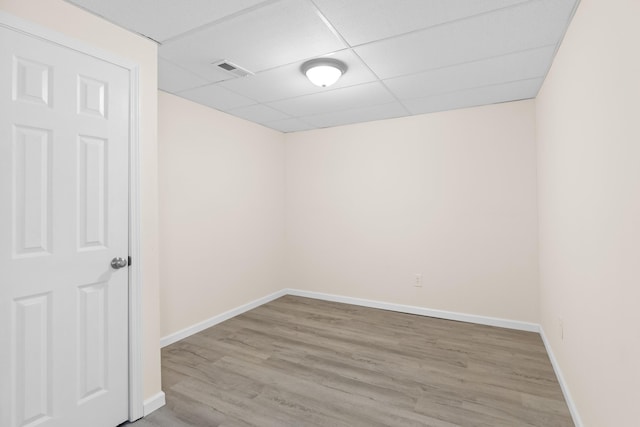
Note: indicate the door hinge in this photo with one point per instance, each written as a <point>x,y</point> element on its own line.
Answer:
<point>129,260</point>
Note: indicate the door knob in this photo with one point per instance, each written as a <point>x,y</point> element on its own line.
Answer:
<point>118,262</point>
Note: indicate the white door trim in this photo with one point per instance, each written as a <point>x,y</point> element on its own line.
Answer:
<point>135,278</point>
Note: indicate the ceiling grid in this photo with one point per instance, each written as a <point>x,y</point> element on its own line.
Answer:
<point>404,57</point>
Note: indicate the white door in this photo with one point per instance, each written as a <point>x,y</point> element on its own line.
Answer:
<point>64,141</point>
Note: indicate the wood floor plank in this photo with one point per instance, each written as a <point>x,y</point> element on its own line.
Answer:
<point>302,362</point>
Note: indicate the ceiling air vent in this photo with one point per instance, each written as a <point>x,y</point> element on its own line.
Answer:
<point>232,68</point>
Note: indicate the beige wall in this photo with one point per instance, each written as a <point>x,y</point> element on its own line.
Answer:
<point>71,21</point>
<point>222,212</point>
<point>588,115</point>
<point>450,195</point>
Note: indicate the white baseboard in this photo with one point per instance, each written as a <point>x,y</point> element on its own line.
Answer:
<point>186,332</point>
<point>563,385</point>
<point>156,401</point>
<point>441,314</point>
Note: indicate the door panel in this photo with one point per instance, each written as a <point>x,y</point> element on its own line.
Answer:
<point>32,191</point>
<point>92,340</point>
<point>64,142</point>
<point>92,194</point>
<point>33,358</point>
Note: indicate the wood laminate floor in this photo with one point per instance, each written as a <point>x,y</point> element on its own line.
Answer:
<point>304,362</point>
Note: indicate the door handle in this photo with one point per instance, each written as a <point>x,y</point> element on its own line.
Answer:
<point>118,263</point>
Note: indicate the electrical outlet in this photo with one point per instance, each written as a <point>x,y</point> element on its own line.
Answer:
<point>417,281</point>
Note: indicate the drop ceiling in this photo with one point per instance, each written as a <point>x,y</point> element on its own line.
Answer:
<point>404,57</point>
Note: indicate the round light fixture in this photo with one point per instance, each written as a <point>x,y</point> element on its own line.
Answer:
<point>323,72</point>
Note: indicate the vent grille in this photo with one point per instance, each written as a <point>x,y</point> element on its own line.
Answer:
<point>233,69</point>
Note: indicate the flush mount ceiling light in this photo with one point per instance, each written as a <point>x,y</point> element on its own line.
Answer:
<point>323,72</point>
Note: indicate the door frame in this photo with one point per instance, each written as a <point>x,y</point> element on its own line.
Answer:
<point>12,22</point>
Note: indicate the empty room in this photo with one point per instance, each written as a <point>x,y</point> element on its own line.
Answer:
<point>319,213</point>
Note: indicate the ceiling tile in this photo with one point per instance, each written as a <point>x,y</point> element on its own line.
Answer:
<point>362,21</point>
<point>288,81</point>
<point>172,78</point>
<point>524,89</point>
<point>502,69</point>
<point>216,97</point>
<point>364,114</point>
<point>163,19</point>
<point>335,100</point>
<point>259,113</point>
<point>289,125</point>
<point>210,74</point>
<point>274,35</point>
<point>525,26</point>
<point>431,55</point>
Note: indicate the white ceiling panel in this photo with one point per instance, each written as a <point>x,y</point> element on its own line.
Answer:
<point>290,125</point>
<point>335,100</point>
<point>163,19</point>
<point>276,34</point>
<point>508,68</point>
<point>210,73</point>
<point>524,89</point>
<point>259,113</point>
<point>356,115</point>
<point>216,97</point>
<point>362,21</point>
<point>404,57</point>
<point>288,81</point>
<point>524,26</point>
<point>172,78</point>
